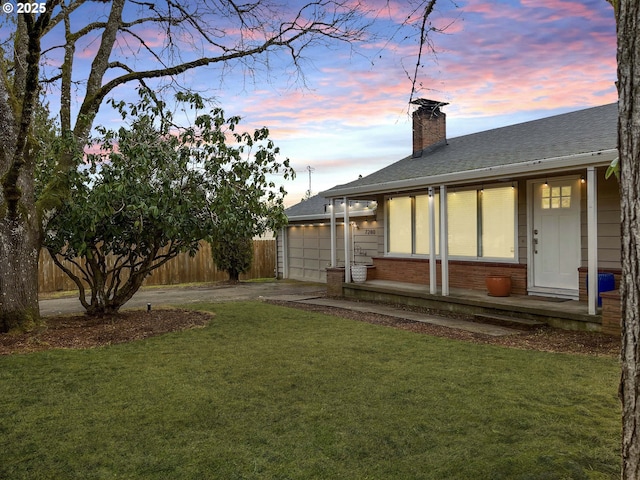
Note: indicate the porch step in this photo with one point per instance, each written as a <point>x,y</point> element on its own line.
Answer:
<point>506,321</point>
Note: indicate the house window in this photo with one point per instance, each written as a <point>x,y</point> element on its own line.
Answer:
<point>481,223</point>
<point>399,223</point>
<point>498,222</point>
<point>422,225</point>
<point>556,197</point>
<point>463,223</point>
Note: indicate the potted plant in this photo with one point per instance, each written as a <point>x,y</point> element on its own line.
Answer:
<point>498,285</point>
<point>359,273</point>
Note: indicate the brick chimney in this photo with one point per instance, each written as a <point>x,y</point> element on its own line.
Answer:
<point>429,125</point>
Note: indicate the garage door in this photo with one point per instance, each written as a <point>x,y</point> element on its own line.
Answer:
<point>309,251</point>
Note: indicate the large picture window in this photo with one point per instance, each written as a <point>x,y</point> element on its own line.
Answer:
<point>498,222</point>
<point>399,224</point>
<point>422,224</point>
<point>481,223</point>
<point>463,223</point>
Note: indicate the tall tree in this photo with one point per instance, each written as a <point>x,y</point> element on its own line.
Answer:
<point>192,35</point>
<point>47,49</point>
<point>627,14</point>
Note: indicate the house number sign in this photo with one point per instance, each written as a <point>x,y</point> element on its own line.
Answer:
<point>370,231</point>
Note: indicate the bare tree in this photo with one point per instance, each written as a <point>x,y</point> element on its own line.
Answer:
<point>122,38</point>
<point>627,14</point>
<point>187,35</point>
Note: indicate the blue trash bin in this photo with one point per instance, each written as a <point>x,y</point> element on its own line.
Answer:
<point>606,283</point>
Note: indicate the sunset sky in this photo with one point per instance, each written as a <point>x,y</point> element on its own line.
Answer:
<point>498,62</point>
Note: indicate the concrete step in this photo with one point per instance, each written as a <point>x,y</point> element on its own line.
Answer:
<point>507,321</point>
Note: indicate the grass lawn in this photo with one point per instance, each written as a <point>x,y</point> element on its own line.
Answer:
<point>268,392</point>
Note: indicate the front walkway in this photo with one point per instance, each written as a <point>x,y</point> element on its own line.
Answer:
<point>443,321</point>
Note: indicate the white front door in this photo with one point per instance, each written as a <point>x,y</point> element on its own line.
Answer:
<point>555,239</point>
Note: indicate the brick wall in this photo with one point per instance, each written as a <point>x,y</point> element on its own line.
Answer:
<point>582,273</point>
<point>611,313</point>
<point>335,277</point>
<point>461,274</point>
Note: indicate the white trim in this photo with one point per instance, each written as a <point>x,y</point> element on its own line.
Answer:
<point>285,253</point>
<point>444,241</point>
<point>592,239</point>
<point>334,253</point>
<point>347,243</point>
<point>532,167</point>
<point>325,217</point>
<point>433,280</point>
<point>572,294</point>
<point>569,294</point>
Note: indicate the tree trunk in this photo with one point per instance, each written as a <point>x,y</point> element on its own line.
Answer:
<point>19,252</point>
<point>628,30</point>
<point>234,276</point>
<point>19,225</point>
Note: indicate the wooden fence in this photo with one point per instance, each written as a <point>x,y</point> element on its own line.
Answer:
<point>181,269</point>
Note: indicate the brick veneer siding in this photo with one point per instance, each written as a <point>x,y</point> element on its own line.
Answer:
<point>461,274</point>
<point>582,273</point>
<point>335,277</point>
<point>611,313</point>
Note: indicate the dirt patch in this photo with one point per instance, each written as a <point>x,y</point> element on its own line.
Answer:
<point>546,339</point>
<point>80,331</point>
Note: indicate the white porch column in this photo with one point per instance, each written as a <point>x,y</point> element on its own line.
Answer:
<point>444,241</point>
<point>285,252</point>
<point>347,243</point>
<point>433,281</point>
<point>332,208</point>
<point>592,239</point>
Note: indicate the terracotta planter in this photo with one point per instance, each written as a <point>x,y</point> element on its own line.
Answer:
<point>498,285</point>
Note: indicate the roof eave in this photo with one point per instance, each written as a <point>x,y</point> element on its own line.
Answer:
<point>547,165</point>
<point>325,216</point>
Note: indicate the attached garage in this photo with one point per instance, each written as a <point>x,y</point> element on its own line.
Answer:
<point>304,246</point>
<point>309,251</point>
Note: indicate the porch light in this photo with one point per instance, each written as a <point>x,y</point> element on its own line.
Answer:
<point>582,180</point>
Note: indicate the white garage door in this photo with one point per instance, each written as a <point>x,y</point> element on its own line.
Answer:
<point>309,251</point>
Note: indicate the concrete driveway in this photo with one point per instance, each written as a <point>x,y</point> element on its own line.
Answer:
<point>168,295</point>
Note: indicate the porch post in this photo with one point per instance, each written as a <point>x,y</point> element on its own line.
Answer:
<point>433,281</point>
<point>347,243</point>
<point>444,241</point>
<point>285,253</point>
<point>592,239</point>
<point>332,207</point>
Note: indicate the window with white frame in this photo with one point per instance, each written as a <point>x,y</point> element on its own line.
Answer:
<point>481,223</point>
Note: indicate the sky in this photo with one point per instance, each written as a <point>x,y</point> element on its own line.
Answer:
<point>496,62</point>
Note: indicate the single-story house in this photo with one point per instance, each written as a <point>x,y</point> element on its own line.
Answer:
<point>528,200</point>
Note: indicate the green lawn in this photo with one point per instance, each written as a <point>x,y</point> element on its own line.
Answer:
<point>267,392</point>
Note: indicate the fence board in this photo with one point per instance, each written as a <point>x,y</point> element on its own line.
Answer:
<point>181,269</point>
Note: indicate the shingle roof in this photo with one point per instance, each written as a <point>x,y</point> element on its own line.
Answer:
<point>584,131</point>
<point>312,206</point>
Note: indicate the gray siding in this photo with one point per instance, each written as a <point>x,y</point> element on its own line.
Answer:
<point>608,223</point>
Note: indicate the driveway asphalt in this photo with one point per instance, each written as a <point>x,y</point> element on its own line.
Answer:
<point>171,295</point>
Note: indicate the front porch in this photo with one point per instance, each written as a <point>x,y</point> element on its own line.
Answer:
<point>560,313</point>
